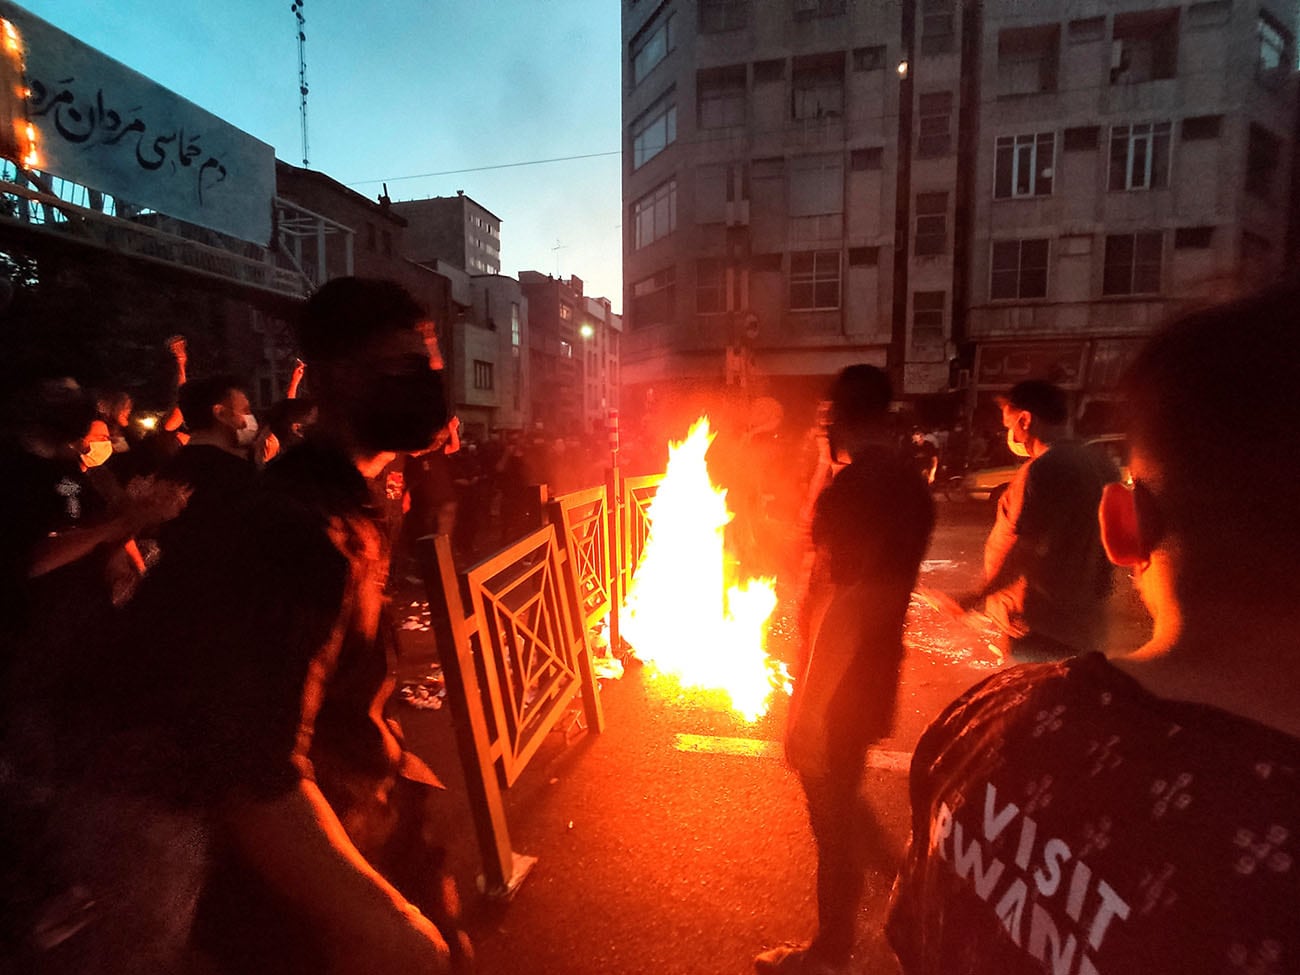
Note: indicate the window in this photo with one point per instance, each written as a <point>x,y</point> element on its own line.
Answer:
<point>1019,269</point>
<point>387,237</point>
<point>766,72</point>
<point>1145,46</point>
<point>927,316</point>
<point>818,87</point>
<point>516,331</point>
<point>720,97</point>
<point>866,159</point>
<point>1083,138</point>
<point>651,45</point>
<point>566,313</point>
<point>810,9</point>
<point>1086,30</point>
<point>566,349</point>
<point>1275,58</point>
<point>482,374</point>
<point>1132,264</point>
<point>654,130</point>
<point>937,35</point>
<point>1023,165</point>
<point>654,299</point>
<point>935,111</point>
<point>869,58</point>
<point>1193,237</point>
<point>710,286</point>
<point>1202,127</point>
<point>814,280</point>
<point>372,236</point>
<point>1028,58</point>
<point>1263,154</point>
<point>655,214</point>
<point>931,223</point>
<point>816,196</point>
<point>1139,156</point>
<point>720,15</point>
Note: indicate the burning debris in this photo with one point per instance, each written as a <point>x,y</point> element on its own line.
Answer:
<point>688,615</point>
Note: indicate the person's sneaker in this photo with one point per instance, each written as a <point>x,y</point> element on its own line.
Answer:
<point>795,959</point>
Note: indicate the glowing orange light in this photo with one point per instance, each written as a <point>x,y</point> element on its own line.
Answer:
<point>684,616</point>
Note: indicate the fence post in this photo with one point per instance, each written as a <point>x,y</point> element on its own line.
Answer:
<point>503,870</point>
<point>614,512</point>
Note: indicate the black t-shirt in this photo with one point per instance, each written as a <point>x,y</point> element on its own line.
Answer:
<point>1067,820</point>
<point>215,478</point>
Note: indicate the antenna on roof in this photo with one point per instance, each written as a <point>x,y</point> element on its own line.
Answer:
<point>298,10</point>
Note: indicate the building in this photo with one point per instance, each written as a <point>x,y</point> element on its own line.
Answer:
<point>453,229</point>
<point>498,370</point>
<point>1131,156</point>
<point>966,193</point>
<point>600,336</point>
<point>555,385</point>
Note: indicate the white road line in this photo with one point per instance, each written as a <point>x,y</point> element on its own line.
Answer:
<point>877,758</point>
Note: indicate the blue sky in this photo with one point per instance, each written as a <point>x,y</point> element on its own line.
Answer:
<point>407,87</point>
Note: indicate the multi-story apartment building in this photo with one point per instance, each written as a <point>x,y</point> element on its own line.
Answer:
<point>600,334</point>
<point>1131,156</point>
<point>554,313</point>
<point>965,192</point>
<point>760,166</point>
<point>498,371</point>
<point>454,229</point>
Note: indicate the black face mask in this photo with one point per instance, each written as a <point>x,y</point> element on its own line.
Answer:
<point>401,413</point>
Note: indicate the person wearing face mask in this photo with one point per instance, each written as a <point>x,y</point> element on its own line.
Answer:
<point>1046,577</point>
<point>260,650</point>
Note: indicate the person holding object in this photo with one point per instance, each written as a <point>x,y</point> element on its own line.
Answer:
<point>1046,578</point>
<point>1140,814</point>
<point>871,524</point>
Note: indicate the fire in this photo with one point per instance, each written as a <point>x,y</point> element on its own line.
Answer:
<point>685,615</point>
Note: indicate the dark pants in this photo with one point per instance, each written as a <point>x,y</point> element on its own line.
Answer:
<point>850,841</point>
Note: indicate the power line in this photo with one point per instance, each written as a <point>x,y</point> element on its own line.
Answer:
<point>480,169</point>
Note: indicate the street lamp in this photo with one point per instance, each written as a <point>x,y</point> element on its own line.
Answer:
<point>586,331</point>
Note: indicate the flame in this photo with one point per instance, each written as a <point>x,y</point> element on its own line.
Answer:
<point>684,614</point>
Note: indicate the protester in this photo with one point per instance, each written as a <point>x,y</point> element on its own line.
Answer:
<point>870,527</point>
<point>1139,814</point>
<point>260,654</point>
<point>1046,578</point>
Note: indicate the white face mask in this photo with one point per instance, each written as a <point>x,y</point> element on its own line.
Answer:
<point>97,452</point>
<point>1016,447</point>
<point>248,434</point>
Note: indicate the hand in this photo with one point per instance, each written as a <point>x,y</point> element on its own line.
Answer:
<point>299,370</point>
<point>176,346</point>
<point>270,447</point>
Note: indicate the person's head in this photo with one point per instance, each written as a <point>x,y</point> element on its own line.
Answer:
<point>217,407</point>
<point>375,366</point>
<point>98,444</point>
<point>918,436</point>
<point>115,406</point>
<point>858,398</point>
<point>289,420</point>
<point>1035,414</point>
<point>1213,421</point>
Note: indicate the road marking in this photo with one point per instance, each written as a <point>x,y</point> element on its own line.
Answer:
<point>877,758</point>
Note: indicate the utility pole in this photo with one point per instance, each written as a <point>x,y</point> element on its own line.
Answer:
<point>298,14</point>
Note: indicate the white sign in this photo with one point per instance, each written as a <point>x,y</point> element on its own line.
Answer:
<point>107,127</point>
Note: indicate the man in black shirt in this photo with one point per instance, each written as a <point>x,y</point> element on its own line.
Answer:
<point>260,653</point>
<point>870,528</point>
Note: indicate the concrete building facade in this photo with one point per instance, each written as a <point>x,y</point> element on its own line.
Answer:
<point>555,307</point>
<point>967,193</point>
<point>454,229</point>
<point>600,336</point>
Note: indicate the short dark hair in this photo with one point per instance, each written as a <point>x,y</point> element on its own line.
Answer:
<point>198,396</point>
<point>1212,402</point>
<point>860,394</point>
<point>1046,401</point>
<point>346,314</point>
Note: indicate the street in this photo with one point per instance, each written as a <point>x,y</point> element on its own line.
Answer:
<point>676,842</point>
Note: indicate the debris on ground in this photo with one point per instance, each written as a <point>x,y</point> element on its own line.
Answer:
<point>428,693</point>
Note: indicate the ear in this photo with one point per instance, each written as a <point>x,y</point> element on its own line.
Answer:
<point>1121,532</point>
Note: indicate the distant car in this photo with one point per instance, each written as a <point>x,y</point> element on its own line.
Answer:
<point>988,483</point>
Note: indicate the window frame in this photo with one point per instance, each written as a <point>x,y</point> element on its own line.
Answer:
<point>932,216</point>
<point>650,204</point>
<point>816,278</point>
<point>940,143</point>
<point>1154,132</point>
<point>662,282</point>
<point>484,375</point>
<point>930,332</point>
<point>1033,141</point>
<point>1020,268</point>
<point>642,41</point>
<point>664,108</point>
<point>1136,239</point>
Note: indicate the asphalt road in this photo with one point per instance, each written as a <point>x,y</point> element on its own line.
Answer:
<point>660,853</point>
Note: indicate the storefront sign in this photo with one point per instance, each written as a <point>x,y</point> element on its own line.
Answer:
<point>1004,365</point>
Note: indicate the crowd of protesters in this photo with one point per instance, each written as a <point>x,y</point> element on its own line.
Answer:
<point>198,774</point>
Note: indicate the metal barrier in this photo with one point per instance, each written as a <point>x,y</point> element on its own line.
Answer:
<point>517,660</point>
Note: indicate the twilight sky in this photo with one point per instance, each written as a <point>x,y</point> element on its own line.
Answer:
<point>401,88</point>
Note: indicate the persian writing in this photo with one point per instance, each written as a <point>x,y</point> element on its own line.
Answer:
<point>90,123</point>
